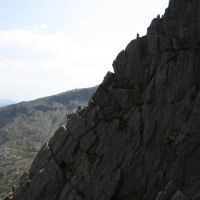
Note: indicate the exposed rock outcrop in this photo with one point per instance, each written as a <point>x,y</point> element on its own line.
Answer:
<point>139,138</point>
<point>26,126</point>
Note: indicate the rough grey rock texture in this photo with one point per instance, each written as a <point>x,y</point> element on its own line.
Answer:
<point>139,138</point>
<point>26,126</point>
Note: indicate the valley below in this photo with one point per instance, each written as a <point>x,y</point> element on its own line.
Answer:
<point>26,126</point>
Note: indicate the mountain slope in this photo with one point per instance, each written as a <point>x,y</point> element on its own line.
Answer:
<point>25,126</point>
<point>139,138</point>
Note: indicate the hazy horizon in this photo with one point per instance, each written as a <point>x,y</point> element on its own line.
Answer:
<point>48,47</point>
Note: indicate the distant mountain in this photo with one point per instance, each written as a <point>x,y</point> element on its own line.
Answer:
<point>25,126</point>
<point>5,102</point>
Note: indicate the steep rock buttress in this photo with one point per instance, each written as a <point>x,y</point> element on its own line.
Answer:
<point>139,137</point>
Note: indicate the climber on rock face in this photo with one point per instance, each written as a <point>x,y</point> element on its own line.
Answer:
<point>138,36</point>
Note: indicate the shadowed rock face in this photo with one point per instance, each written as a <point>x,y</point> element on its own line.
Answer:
<point>139,138</point>
<point>26,126</point>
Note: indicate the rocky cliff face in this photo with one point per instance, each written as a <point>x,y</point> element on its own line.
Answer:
<point>26,126</point>
<point>139,138</point>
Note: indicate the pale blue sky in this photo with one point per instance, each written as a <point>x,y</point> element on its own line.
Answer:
<point>58,14</point>
<point>50,46</point>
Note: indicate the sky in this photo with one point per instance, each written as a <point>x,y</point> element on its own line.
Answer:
<point>51,46</point>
